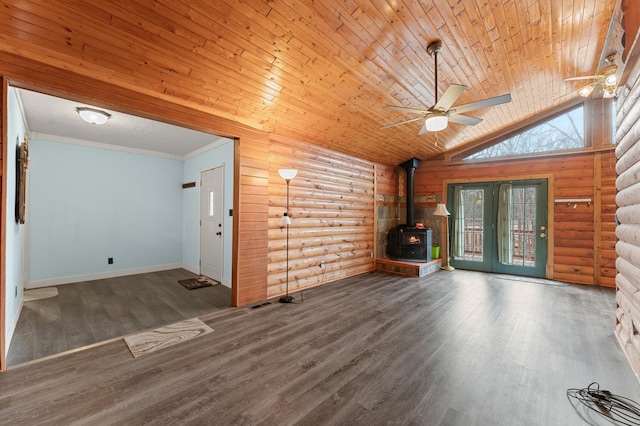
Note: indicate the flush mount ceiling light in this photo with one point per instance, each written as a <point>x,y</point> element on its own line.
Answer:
<point>93,116</point>
<point>436,121</point>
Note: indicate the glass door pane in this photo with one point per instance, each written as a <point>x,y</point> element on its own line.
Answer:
<point>473,224</point>
<point>470,223</point>
<point>527,227</point>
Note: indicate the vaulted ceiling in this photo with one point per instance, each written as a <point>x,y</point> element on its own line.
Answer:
<point>321,71</point>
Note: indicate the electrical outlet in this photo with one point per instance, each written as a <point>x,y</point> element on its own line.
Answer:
<point>322,265</point>
<point>110,261</point>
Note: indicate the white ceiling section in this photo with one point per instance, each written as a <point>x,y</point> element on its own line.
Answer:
<point>51,116</point>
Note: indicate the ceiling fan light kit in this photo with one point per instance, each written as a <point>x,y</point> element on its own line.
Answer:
<point>436,122</point>
<point>606,77</point>
<point>438,117</point>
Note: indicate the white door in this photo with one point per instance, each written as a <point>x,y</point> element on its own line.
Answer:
<point>211,220</point>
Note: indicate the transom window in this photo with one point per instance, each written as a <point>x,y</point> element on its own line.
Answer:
<point>561,132</point>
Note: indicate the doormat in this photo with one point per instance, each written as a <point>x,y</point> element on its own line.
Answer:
<point>40,293</point>
<point>201,281</point>
<point>151,341</point>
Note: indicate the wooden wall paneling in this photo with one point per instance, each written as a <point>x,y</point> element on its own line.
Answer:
<point>597,217</point>
<point>4,95</point>
<point>332,216</point>
<point>628,213</point>
<point>386,180</point>
<point>252,192</point>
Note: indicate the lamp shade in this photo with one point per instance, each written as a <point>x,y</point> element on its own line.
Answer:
<point>441,210</point>
<point>93,116</point>
<point>436,121</point>
<point>287,174</point>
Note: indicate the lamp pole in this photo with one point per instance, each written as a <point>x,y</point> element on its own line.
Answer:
<point>441,210</point>
<point>287,175</point>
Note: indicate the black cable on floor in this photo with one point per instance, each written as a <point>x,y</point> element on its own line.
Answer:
<point>615,409</point>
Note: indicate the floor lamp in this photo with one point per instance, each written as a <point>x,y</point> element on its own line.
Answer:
<point>287,175</point>
<point>441,210</point>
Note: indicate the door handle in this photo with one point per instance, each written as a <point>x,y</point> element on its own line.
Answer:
<point>218,233</point>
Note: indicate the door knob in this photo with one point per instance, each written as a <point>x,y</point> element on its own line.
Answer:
<point>542,235</point>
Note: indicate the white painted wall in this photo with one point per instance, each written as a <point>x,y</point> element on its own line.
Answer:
<point>15,232</point>
<point>88,204</point>
<point>219,153</point>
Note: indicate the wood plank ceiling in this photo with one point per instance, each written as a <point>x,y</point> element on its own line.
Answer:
<point>321,71</point>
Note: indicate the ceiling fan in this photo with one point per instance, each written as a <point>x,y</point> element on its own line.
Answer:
<point>438,116</point>
<point>605,81</point>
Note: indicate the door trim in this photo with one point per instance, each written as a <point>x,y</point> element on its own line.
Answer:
<point>550,206</point>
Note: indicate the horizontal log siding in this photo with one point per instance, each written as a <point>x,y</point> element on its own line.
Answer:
<point>628,214</point>
<point>573,243</point>
<point>331,205</point>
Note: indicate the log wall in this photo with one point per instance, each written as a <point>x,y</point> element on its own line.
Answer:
<point>331,207</point>
<point>628,215</point>
<point>575,245</point>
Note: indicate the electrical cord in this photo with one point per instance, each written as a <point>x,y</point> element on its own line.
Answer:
<point>615,409</point>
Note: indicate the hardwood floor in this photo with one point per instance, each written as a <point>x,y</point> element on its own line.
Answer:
<point>452,348</point>
<point>89,312</point>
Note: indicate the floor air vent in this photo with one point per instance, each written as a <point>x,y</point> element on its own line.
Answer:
<point>260,305</point>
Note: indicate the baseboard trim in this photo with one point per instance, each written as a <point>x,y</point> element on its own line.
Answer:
<point>192,269</point>
<point>101,275</point>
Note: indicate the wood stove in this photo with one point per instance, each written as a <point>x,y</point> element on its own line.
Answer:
<point>408,242</point>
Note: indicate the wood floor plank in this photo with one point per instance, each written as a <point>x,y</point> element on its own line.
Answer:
<point>452,348</point>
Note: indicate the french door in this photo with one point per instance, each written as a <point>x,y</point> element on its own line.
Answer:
<point>499,226</point>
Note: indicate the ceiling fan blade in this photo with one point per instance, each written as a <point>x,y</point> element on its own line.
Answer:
<point>413,110</point>
<point>464,119</point>
<point>423,129</point>
<point>497,100</point>
<point>402,122</point>
<point>583,77</point>
<point>450,95</point>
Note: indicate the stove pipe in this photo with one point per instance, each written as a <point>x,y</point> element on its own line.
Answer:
<point>410,166</point>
